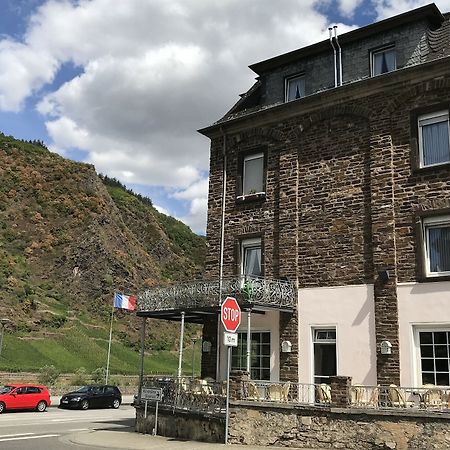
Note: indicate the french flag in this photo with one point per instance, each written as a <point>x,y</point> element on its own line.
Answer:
<point>125,302</point>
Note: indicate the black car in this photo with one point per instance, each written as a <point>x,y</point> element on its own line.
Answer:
<point>92,396</point>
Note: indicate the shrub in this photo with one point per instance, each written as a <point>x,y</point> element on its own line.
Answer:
<point>98,375</point>
<point>48,375</point>
<point>80,377</point>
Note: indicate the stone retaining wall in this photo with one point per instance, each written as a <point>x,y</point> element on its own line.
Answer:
<point>333,428</point>
<point>181,424</point>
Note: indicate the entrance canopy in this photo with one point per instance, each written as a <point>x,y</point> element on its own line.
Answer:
<point>198,300</point>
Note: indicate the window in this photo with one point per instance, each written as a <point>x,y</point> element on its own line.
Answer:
<point>33,390</point>
<point>324,343</point>
<point>251,258</point>
<point>383,61</point>
<point>434,356</point>
<point>295,88</point>
<point>434,139</point>
<point>253,174</point>
<point>259,355</point>
<point>437,245</point>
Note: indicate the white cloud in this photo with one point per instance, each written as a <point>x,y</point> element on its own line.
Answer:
<point>389,8</point>
<point>153,71</point>
<point>348,7</point>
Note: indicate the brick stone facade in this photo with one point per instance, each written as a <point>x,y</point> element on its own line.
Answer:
<point>341,194</point>
<point>342,188</point>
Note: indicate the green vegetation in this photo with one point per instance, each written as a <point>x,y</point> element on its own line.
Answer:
<point>76,353</point>
<point>68,240</point>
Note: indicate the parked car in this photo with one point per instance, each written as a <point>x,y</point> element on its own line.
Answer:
<point>92,396</point>
<point>24,396</point>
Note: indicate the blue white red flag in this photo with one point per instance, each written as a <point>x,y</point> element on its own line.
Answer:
<point>125,301</point>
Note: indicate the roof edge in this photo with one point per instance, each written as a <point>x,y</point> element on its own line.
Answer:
<point>430,12</point>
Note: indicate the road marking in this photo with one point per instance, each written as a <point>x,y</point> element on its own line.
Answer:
<point>29,437</point>
<point>12,435</point>
<point>78,429</point>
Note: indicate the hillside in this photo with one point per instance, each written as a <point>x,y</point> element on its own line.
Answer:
<point>68,240</point>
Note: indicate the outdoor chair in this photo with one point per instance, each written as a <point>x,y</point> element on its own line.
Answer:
<point>275,392</point>
<point>252,391</point>
<point>285,391</point>
<point>396,396</point>
<point>324,393</point>
<point>433,398</point>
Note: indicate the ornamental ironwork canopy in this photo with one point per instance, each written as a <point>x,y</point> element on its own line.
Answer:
<point>198,299</point>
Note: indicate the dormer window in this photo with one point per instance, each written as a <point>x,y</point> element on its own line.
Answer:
<point>383,60</point>
<point>295,88</point>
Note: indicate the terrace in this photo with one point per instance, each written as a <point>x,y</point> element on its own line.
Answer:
<point>200,299</point>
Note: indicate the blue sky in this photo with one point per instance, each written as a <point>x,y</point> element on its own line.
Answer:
<point>124,84</point>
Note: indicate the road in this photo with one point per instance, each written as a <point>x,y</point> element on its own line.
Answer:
<point>50,430</point>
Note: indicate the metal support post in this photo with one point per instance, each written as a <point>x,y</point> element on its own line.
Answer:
<point>180,355</point>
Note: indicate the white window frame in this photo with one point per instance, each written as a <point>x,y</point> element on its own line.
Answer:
<point>321,327</point>
<point>271,355</point>
<point>435,117</point>
<point>417,329</point>
<point>251,157</point>
<point>429,222</point>
<point>249,243</point>
<point>378,51</point>
<point>287,81</point>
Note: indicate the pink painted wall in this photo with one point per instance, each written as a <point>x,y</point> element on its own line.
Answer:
<point>419,305</point>
<point>350,310</point>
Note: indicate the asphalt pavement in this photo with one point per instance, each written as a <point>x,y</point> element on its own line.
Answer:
<point>62,429</point>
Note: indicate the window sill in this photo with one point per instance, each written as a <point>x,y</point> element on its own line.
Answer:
<point>258,196</point>
<point>435,168</point>
<point>428,279</point>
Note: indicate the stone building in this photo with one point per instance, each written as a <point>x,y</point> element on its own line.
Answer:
<point>329,213</point>
<point>332,174</point>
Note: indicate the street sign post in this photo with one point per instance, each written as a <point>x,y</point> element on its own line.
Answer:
<point>230,315</point>
<point>152,394</point>
<point>230,339</point>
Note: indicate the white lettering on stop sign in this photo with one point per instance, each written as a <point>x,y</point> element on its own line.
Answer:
<point>230,314</point>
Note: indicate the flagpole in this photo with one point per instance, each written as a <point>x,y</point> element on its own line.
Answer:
<point>109,345</point>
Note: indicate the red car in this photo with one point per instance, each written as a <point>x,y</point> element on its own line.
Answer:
<point>24,396</point>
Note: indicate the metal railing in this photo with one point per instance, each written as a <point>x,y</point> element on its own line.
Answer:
<point>205,294</point>
<point>190,394</point>
<point>287,392</point>
<point>431,398</point>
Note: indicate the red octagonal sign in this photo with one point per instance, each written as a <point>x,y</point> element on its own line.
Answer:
<point>230,314</point>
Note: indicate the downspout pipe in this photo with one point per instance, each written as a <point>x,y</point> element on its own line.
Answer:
<point>340,54</point>
<point>330,31</point>
<point>222,243</point>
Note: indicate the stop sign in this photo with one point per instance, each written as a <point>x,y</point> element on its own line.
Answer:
<point>230,314</point>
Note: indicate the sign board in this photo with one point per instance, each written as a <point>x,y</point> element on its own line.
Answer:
<point>151,394</point>
<point>230,314</point>
<point>230,339</point>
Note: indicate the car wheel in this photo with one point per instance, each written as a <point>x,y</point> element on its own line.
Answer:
<point>84,404</point>
<point>2,407</point>
<point>41,406</point>
<point>116,403</point>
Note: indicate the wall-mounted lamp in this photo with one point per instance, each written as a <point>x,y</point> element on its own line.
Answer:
<point>286,347</point>
<point>383,275</point>
<point>206,347</point>
<point>386,348</point>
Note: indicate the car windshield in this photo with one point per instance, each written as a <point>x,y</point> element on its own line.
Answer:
<point>6,389</point>
<point>84,389</point>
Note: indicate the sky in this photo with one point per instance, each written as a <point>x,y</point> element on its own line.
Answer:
<point>125,84</point>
